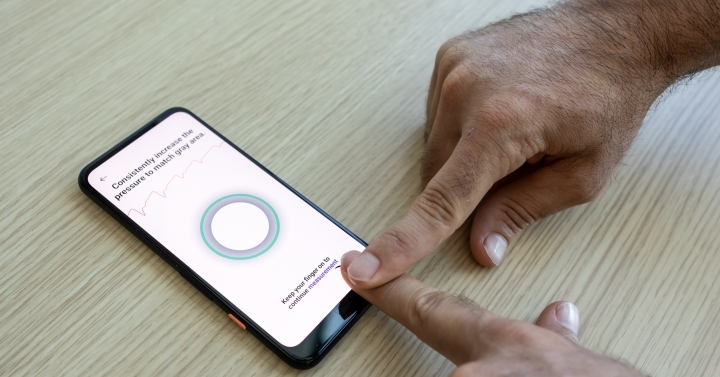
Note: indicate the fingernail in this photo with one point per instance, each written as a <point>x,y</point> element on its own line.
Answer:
<point>568,316</point>
<point>495,246</point>
<point>363,268</point>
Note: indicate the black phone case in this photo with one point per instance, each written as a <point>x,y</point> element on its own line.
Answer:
<point>303,356</point>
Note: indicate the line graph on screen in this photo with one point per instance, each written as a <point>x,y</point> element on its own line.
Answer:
<point>163,195</point>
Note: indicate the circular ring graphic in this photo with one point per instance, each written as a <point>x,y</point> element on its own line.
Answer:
<point>206,223</point>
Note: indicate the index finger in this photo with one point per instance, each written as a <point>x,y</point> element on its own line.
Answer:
<point>456,328</point>
<point>445,203</point>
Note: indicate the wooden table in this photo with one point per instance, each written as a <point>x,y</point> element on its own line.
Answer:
<point>330,95</point>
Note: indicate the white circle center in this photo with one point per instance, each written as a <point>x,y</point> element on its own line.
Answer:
<point>240,226</point>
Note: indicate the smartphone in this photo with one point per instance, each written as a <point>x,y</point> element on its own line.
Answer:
<point>252,244</point>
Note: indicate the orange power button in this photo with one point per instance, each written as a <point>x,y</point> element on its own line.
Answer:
<point>237,321</point>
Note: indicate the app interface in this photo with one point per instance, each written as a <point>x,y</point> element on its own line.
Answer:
<point>258,244</point>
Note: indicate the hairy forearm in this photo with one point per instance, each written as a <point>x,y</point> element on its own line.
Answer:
<point>671,38</point>
<point>608,49</point>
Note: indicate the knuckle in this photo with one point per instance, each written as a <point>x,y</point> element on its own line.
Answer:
<point>514,107</point>
<point>450,50</point>
<point>575,182</point>
<point>586,187</point>
<point>523,100</point>
<point>435,203</point>
<point>447,61</point>
<point>449,56</point>
<point>515,215</point>
<point>587,192</point>
<point>398,243</point>
<point>444,48</point>
<point>499,111</point>
<point>512,127</point>
<point>455,85</point>
<point>495,153</point>
<point>425,302</point>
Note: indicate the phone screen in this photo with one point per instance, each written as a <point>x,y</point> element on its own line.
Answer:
<point>257,243</point>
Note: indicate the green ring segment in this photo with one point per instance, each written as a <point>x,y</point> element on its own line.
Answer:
<point>202,230</point>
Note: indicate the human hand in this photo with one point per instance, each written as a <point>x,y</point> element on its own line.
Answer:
<point>481,343</point>
<point>531,116</point>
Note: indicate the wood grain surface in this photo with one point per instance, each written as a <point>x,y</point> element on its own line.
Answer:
<point>329,95</point>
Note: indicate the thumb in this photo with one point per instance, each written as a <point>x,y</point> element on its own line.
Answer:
<point>513,207</point>
<point>561,317</point>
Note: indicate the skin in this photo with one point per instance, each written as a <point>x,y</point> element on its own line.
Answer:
<point>525,118</point>
<point>481,343</point>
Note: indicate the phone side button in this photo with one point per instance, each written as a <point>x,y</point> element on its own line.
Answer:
<point>237,321</point>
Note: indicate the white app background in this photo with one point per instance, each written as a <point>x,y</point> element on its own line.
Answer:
<point>169,204</point>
